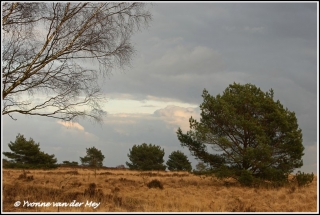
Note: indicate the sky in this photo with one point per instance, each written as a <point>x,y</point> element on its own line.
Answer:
<point>186,48</point>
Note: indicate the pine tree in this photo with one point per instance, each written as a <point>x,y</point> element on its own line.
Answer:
<point>27,154</point>
<point>178,162</point>
<point>254,136</point>
<point>94,158</point>
<point>146,157</point>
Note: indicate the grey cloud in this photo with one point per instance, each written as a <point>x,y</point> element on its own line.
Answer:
<point>171,52</point>
<point>189,47</point>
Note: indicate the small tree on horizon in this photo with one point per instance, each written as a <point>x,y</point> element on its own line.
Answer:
<point>146,157</point>
<point>94,158</point>
<point>68,163</point>
<point>178,162</point>
<point>27,154</point>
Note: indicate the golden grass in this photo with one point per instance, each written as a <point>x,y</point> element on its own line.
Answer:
<point>127,191</point>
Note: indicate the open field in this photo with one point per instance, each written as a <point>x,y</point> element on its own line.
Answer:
<point>127,191</point>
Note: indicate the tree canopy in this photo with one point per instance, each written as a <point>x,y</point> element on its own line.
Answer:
<point>94,158</point>
<point>59,52</point>
<point>146,157</point>
<point>252,136</point>
<point>27,154</point>
<point>68,163</point>
<point>178,162</point>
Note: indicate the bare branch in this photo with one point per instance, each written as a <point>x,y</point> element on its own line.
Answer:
<point>43,48</point>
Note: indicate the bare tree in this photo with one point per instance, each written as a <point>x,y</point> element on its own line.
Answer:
<point>45,48</point>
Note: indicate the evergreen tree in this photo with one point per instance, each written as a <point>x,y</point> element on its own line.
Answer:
<point>94,158</point>
<point>27,154</point>
<point>178,161</point>
<point>146,157</point>
<point>68,163</point>
<point>255,136</point>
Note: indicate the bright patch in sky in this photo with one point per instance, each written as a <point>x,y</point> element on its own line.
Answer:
<point>145,107</point>
<point>71,125</point>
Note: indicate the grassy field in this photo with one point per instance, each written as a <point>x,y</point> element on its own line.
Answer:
<point>80,190</point>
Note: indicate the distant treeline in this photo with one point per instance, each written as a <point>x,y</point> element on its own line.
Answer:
<point>88,167</point>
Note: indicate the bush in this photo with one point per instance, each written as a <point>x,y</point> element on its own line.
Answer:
<point>146,157</point>
<point>25,177</point>
<point>303,179</point>
<point>246,178</point>
<point>155,184</point>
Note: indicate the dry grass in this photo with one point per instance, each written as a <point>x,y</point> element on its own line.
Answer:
<point>128,191</point>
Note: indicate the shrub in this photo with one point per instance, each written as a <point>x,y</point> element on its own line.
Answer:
<point>30,178</point>
<point>303,179</point>
<point>155,184</point>
<point>91,190</point>
<point>23,176</point>
<point>246,178</point>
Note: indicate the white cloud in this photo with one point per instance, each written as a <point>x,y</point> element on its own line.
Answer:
<point>146,105</point>
<point>122,118</point>
<point>177,116</point>
<point>172,115</point>
<point>90,138</point>
<point>71,125</point>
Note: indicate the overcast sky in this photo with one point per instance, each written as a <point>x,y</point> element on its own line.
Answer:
<point>189,47</point>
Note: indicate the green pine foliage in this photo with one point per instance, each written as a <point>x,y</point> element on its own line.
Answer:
<point>68,163</point>
<point>146,157</point>
<point>254,136</point>
<point>94,158</point>
<point>26,154</point>
<point>178,162</point>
